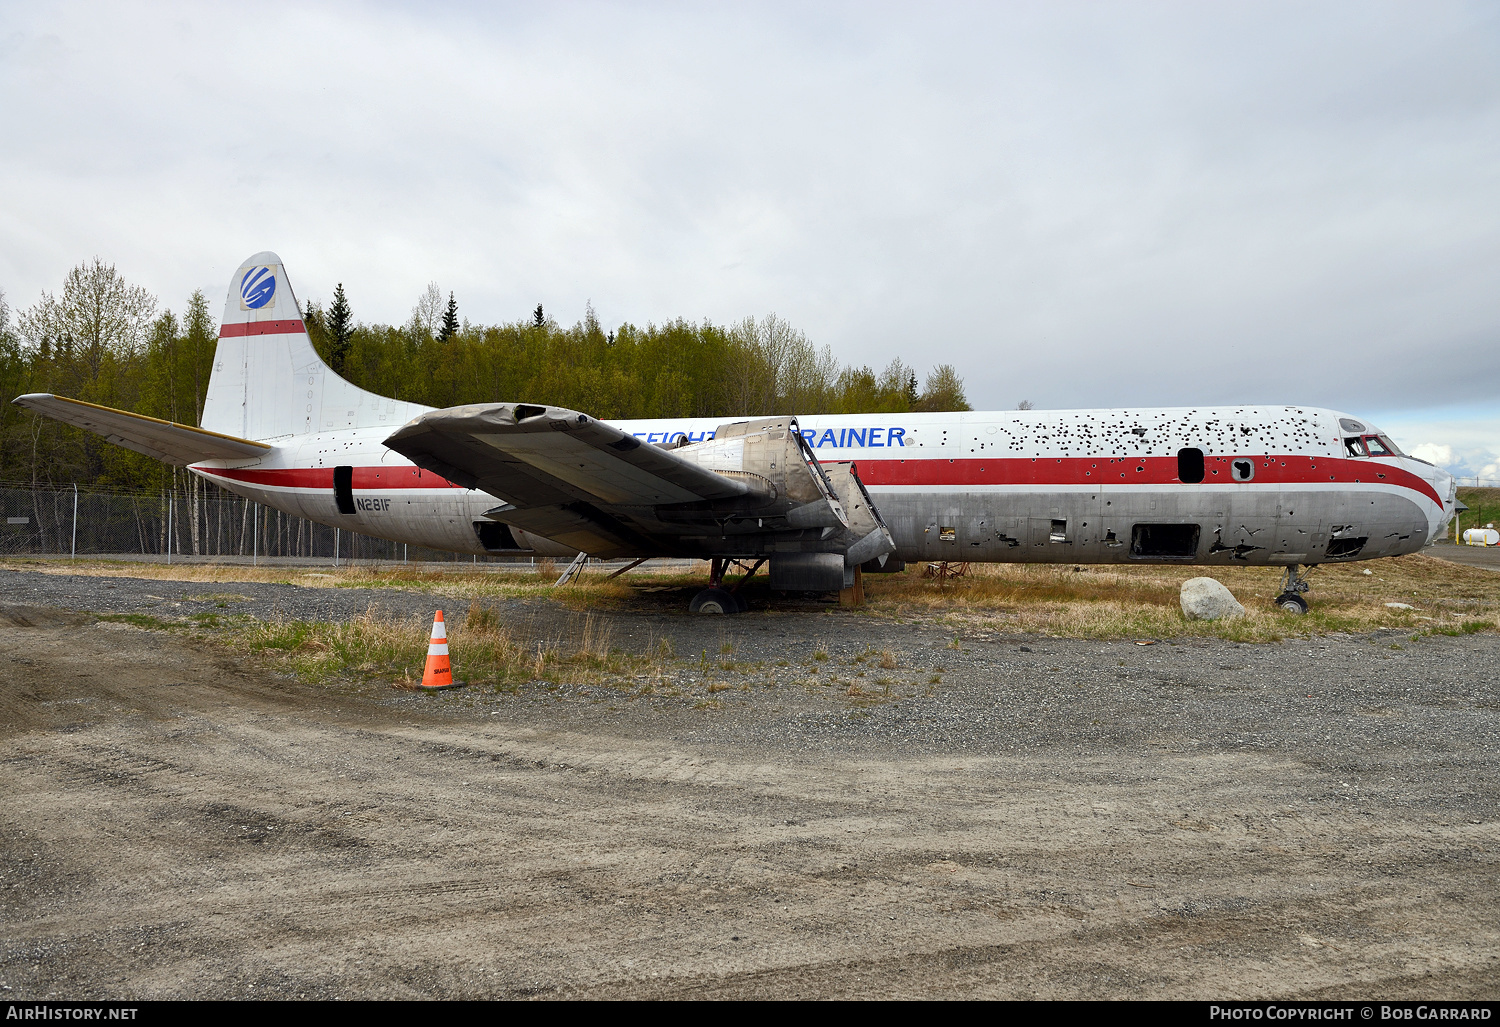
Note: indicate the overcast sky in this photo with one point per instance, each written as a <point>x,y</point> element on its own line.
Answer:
<point>1090,205</point>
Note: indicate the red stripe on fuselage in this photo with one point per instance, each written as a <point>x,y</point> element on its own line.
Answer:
<point>1041,472</point>
<point>1151,470</point>
<point>369,478</point>
<point>231,331</point>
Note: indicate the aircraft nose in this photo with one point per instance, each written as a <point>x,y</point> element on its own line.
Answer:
<point>1445,483</point>
<point>1431,473</point>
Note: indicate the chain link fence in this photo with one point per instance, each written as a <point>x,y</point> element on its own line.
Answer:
<point>197,521</point>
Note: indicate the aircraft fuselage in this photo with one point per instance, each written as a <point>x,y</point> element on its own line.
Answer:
<point>1274,485</point>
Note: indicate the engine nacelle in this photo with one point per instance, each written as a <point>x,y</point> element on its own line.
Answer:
<point>839,527</point>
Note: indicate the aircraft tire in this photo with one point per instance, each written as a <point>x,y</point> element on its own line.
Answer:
<point>714,600</point>
<point>1291,602</point>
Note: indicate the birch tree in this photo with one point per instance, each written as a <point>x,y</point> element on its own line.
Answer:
<point>944,391</point>
<point>428,313</point>
<point>99,315</point>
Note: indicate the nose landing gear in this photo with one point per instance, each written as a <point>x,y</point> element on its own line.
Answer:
<point>1294,586</point>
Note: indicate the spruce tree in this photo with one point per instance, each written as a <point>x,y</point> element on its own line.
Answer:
<point>340,328</point>
<point>450,320</point>
<point>538,319</point>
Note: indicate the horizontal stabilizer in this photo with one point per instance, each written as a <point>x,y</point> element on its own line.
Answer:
<point>172,443</point>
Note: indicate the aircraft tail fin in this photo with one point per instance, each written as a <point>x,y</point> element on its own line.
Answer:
<point>268,382</point>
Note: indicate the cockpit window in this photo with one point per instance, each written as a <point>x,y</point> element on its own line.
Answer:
<point>1355,447</point>
<point>1377,446</point>
<point>1395,449</point>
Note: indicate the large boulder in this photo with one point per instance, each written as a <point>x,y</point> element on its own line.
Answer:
<point>1207,599</point>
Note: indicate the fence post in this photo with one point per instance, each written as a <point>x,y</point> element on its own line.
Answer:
<point>171,501</point>
<point>255,543</point>
<point>74,554</point>
<point>335,547</point>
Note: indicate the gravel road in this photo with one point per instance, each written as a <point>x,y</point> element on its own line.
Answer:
<point>1487,557</point>
<point>1052,818</point>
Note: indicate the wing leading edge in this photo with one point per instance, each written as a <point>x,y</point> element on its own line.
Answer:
<point>559,472</point>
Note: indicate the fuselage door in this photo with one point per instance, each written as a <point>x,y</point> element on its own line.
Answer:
<point>343,489</point>
<point>1300,527</point>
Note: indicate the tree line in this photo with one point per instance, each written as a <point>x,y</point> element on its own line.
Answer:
<point>103,340</point>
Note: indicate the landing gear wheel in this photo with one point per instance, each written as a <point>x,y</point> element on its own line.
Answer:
<point>714,600</point>
<point>1293,586</point>
<point>1291,602</point>
<point>740,601</point>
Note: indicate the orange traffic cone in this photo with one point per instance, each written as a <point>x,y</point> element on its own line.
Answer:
<point>438,674</point>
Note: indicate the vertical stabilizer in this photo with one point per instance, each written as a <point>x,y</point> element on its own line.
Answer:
<point>268,382</point>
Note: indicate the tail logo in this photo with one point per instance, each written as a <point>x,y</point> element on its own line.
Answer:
<point>257,288</point>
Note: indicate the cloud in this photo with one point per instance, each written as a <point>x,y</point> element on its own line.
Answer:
<point>1078,204</point>
<point>1433,454</point>
<point>1463,440</point>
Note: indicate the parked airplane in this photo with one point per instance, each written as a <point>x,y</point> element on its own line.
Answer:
<point>817,497</point>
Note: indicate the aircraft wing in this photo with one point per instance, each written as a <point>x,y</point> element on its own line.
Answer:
<point>562,474</point>
<point>172,443</point>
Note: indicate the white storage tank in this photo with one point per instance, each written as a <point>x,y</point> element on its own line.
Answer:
<point>1481,537</point>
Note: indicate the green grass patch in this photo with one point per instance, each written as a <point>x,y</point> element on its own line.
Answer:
<point>142,620</point>
<point>1468,627</point>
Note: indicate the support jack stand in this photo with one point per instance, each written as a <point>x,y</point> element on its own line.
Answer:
<point>574,569</point>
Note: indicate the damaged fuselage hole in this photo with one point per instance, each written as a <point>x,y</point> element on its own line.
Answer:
<point>1238,551</point>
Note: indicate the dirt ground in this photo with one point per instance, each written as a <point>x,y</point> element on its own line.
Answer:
<point>1016,816</point>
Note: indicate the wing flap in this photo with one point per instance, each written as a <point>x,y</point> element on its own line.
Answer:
<point>172,443</point>
<point>584,527</point>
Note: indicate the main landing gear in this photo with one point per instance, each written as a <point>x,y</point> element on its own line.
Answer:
<point>718,599</point>
<point>1294,586</point>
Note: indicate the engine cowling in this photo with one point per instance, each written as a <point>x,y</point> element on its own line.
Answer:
<point>770,455</point>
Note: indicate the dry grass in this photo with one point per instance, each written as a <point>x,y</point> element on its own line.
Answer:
<point>589,591</point>
<point>484,650</point>
<point>1123,602</point>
